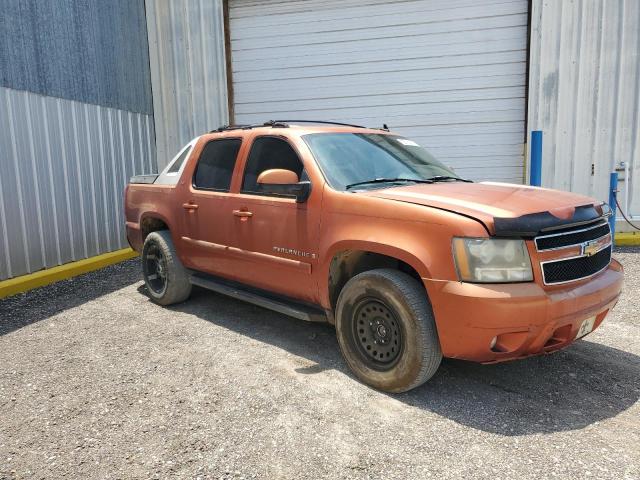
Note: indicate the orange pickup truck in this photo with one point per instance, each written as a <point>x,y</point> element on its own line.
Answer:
<point>364,229</point>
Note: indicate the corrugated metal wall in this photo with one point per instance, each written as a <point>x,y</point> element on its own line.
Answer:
<point>63,168</point>
<point>75,124</point>
<point>584,93</point>
<point>93,52</point>
<point>450,74</point>
<point>186,48</point>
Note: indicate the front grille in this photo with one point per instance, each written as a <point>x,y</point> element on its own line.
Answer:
<point>572,237</point>
<point>561,271</point>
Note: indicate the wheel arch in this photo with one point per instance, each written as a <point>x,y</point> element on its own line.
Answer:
<point>348,259</point>
<point>152,222</point>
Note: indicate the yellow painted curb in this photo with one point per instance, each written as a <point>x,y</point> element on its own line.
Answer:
<point>628,239</point>
<point>68,270</point>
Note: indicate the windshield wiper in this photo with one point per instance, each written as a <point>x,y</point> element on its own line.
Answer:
<point>387,180</point>
<point>444,178</point>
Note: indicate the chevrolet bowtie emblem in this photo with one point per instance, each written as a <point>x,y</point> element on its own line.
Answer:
<point>590,248</point>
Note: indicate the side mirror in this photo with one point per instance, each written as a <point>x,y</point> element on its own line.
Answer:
<point>279,181</point>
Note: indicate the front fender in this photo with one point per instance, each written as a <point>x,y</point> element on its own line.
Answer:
<point>417,235</point>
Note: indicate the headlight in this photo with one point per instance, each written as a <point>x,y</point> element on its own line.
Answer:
<point>491,260</point>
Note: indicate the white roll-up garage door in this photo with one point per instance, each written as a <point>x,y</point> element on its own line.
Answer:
<point>450,74</point>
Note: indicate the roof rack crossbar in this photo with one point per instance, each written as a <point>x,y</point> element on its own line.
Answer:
<point>285,124</point>
<point>270,123</point>
<point>324,122</point>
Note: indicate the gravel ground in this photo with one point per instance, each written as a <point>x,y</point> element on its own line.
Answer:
<point>98,382</point>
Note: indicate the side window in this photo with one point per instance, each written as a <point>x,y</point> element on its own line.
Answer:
<point>170,174</point>
<point>215,166</point>
<point>267,153</point>
<point>175,166</point>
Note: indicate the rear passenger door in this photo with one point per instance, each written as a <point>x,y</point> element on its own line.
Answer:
<point>205,211</point>
<point>273,239</point>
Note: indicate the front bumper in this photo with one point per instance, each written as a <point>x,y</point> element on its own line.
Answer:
<point>526,318</point>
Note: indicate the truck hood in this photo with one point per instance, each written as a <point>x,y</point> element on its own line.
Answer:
<point>504,209</point>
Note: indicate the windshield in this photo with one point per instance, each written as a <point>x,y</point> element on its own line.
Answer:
<point>348,159</point>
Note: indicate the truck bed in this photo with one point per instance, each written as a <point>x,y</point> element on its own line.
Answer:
<point>143,178</point>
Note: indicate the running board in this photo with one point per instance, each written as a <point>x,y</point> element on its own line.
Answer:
<point>257,297</point>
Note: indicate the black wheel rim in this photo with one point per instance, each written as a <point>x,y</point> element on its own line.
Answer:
<point>155,269</point>
<point>377,333</point>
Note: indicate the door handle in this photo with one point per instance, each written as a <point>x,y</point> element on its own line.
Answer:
<point>190,206</point>
<point>243,213</point>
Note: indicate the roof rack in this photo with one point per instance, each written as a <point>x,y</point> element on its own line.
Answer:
<point>323,122</point>
<point>270,123</point>
<point>285,124</point>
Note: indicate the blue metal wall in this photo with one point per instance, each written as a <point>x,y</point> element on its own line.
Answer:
<point>75,123</point>
<point>90,51</point>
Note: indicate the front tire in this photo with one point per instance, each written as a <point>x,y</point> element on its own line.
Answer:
<point>386,330</point>
<point>166,278</point>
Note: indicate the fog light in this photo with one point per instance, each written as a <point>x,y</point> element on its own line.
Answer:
<point>493,343</point>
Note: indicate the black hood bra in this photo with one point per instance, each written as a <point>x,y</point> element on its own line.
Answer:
<point>534,224</point>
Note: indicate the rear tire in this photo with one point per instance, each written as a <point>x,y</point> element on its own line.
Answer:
<point>166,278</point>
<point>386,330</point>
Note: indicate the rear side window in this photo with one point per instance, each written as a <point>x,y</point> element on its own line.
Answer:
<point>175,167</point>
<point>171,174</point>
<point>215,166</point>
<point>267,153</point>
